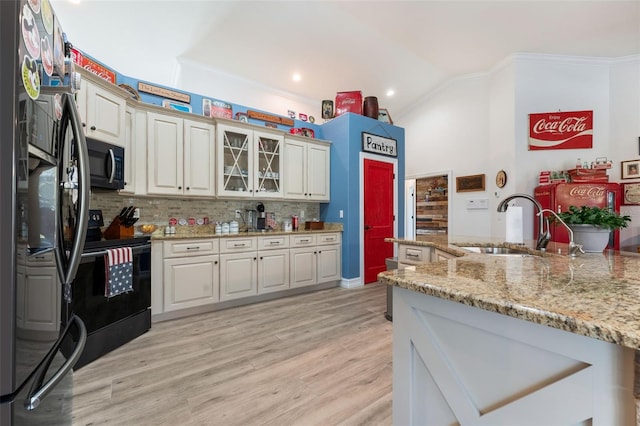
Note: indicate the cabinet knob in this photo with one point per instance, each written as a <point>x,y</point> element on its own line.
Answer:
<point>188,188</point>
<point>215,262</point>
<point>261,257</point>
<point>93,127</point>
<point>84,124</point>
<point>179,187</point>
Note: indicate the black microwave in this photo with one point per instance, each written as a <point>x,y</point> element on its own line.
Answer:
<point>106,164</point>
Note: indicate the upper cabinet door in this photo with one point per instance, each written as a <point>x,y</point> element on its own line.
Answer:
<point>306,170</point>
<point>318,172</point>
<point>235,161</point>
<point>199,159</point>
<point>268,171</point>
<point>105,115</point>
<point>295,177</point>
<point>165,154</point>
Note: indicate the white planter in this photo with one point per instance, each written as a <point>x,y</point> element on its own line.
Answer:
<point>592,238</point>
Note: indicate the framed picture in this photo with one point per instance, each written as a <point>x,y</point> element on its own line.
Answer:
<point>631,193</point>
<point>241,116</point>
<point>630,169</point>
<point>470,183</point>
<point>383,115</point>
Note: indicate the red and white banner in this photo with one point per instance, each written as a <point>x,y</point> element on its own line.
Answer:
<point>561,130</point>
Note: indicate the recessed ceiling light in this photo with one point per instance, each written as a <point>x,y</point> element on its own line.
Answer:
<point>391,92</point>
<point>296,76</point>
<point>74,1</point>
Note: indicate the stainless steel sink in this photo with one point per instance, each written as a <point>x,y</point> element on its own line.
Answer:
<point>498,251</point>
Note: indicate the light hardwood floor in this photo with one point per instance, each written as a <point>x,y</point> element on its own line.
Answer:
<point>322,358</point>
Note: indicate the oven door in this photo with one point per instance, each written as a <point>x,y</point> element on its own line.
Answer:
<point>112,321</point>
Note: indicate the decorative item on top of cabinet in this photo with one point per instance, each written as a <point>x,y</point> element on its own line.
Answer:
<point>181,156</point>
<point>249,162</point>
<point>307,169</point>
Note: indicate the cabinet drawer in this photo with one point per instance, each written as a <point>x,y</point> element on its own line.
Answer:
<point>324,239</point>
<point>232,245</point>
<point>275,242</point>
<point>41,259</point>
<point>190,248</point>
<point>304,240</point>
<point>414,254</point>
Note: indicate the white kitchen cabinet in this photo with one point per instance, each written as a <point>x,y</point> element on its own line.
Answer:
<point>249,162</point>
<point>306,169</point>
<point>413,255</point>
<point>191,273</point>
<point>238,268</point>
<point>315,259</point>
<point>441,255</point>
<point>273,263</point>
<point>102,107</point>
<point>129,151</point>
<point>181,156</point>
<point>329,258</point>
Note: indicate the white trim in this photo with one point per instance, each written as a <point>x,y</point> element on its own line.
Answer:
<point>351,282</point>
<point>382,159</point>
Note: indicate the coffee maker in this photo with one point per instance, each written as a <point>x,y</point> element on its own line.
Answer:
<point>260,218</point>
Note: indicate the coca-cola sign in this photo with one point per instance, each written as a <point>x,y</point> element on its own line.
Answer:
<point>92,66</point>
<point>561,130</point>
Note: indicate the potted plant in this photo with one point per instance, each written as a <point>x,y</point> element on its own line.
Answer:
<point>591,226</point>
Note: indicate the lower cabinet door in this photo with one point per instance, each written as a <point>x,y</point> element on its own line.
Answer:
<point>190,281</point>
<point>238,275</point>
<point>303,267</point>
<point>329,263</point>
<point>273,270</point>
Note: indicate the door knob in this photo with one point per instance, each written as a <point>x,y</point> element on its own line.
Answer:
<point>367,227</point>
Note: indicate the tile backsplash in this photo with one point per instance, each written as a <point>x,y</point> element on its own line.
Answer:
<point>158,210</point>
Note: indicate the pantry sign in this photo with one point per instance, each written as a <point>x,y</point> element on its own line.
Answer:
<point>561,130</point>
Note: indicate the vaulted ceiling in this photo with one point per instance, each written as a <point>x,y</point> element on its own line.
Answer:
<point>372,46</point>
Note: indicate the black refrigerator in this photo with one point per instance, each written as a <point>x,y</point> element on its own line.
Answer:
<point>44,201</point>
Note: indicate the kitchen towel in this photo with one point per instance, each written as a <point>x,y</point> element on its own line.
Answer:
<point>515,229</point>
<point>118,270</point>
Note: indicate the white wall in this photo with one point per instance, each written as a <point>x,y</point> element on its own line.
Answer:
<point>479,124</point>
<point>194,77</point>
<point>450,130</point>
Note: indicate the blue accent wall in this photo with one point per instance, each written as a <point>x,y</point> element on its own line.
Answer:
<point>345,133</point>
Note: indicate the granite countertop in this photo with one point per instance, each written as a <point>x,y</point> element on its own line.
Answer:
<point>208,231</point>
<point>596,295</point>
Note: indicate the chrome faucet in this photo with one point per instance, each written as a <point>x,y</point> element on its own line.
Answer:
<point>543,235</point>
<point>574,248</point>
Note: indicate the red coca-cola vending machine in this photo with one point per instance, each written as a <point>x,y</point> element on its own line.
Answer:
<point>559,196</point>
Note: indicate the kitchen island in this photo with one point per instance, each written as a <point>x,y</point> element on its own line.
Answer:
<point>541,338</point>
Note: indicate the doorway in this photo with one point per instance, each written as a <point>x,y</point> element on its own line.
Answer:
<point>378,221</point>
<point>430,215</point>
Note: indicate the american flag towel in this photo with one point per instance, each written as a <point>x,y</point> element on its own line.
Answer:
<point>118,270</point>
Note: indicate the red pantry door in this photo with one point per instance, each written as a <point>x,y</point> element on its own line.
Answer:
<point>378,217</point>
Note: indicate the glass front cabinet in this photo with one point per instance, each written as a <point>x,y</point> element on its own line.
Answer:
<point>249,162</point>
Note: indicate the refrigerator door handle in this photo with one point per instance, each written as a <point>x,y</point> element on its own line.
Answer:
<point>38,390</point>
<point>84,195</point>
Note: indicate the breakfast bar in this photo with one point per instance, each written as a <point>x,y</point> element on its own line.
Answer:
<point>516,337</point>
